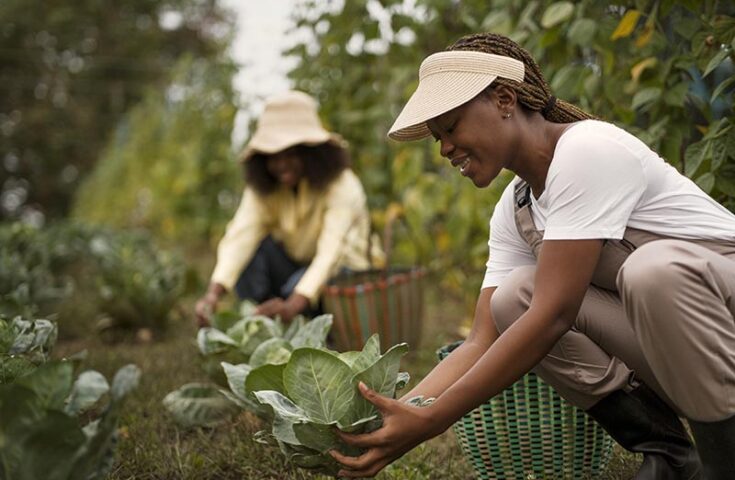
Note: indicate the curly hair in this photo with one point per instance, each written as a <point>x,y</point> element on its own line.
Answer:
<point>533,93</point>
<point>322,164</point>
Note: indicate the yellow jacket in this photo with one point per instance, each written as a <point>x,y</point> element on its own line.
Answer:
<point>326,229</point>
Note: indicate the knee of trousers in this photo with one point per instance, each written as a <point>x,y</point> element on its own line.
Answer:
<point>656,268</point>
<point>512,297</point>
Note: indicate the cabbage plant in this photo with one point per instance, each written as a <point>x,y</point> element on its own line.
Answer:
<point>316,391</point>
<point>250,342</point>
<point>45,430</point>
<point>255,340</point>
<point>24,344</point>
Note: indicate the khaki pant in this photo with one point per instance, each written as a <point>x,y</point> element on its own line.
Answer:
<point>671,326</point>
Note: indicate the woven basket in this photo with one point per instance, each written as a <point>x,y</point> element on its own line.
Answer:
<point>530,430</point>
<point>387,302</point>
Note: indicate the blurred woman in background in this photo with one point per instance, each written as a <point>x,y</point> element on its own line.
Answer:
<point>302,218</point>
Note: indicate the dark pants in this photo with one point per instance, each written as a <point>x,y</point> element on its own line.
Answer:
<point>271,273</point>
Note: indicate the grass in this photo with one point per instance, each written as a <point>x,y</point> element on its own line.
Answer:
<point>152,447</point>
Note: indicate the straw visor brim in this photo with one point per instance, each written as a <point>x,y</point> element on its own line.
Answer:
<point>446,81</point>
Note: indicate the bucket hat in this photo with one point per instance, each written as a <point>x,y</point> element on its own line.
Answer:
<point>288,119</point>
<point>446,81</point>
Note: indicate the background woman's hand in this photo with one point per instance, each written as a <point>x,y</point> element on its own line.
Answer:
<point>207,304</point>
<point>286,309</point>
<point>404,427</point>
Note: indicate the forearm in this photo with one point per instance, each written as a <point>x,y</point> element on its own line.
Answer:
<point>448,371</point>
<point>452,368</point>
<point>510,357</point>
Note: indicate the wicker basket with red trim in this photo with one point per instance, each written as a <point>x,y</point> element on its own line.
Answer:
<point>388,302</point>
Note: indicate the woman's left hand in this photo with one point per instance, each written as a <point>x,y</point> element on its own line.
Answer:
<point>404,427</point>
<point>286,309</point>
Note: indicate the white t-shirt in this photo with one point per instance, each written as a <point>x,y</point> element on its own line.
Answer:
<point>601,180</point>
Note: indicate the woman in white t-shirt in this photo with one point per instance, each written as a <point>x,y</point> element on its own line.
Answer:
<point>610,274</point>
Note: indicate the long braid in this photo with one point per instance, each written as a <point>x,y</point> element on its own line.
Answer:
<point>533,93</point>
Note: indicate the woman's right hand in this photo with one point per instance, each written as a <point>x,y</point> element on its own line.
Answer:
<point>207,304</point>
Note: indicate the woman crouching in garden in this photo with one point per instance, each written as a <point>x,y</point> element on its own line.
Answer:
<point>610,274</point>
<point>302,218</point>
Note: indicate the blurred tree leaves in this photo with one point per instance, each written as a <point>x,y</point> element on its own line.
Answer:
<point>68,72</point>
<point>663,69</point>
<point>169,167</point>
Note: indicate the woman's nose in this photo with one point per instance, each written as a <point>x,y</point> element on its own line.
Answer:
<point>446,148</point>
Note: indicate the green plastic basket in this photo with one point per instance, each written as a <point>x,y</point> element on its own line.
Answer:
<point>529,431</point>
<point>387,302</point>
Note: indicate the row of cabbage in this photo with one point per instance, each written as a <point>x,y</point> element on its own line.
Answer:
<point>88,277</point>
<point>287,376</point>
<point>56,424</point>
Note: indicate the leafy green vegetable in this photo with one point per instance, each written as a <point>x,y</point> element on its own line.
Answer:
<point>197,404</point>
<point>250,355</point>
<point>316,391</point>
<point>24,344</point>
<point>41,436</point>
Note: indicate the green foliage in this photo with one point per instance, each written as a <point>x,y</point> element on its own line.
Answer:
<point>24,344</point>
<point>199,405</point>
<point>169,168</point>
<point>663,69</point>
<point>42,434</point>
<point>69,70</point>
<point>316,391</point>
<point>236,347</point>
<point>119,277</point>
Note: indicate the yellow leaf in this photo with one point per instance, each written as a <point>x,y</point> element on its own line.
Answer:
<point>393,211</point>
<point>638,68</point>
<point>627,24</point>
<point>645,35</point>
<point>442,241</point>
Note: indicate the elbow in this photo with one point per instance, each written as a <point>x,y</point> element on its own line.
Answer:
<point>557,322</point>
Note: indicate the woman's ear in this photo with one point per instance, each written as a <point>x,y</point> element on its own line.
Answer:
<point>505,97</point>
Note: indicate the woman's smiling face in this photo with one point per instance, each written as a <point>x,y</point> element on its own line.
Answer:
<point>475,138</point>
<point>286,166</point>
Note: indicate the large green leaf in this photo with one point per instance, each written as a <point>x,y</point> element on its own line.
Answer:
<point>694,155</point>
<point>236,375</point>
<point>126,379</point>
<point>318,436</point>
<point>226,319</point>
<point>273,351</point>
<point>557,13</point>
<point>210,340</point>
<point>252,331</point>
<point>320,383</point>
<point>645,97</point>
<point>266,377</point>
<point>715,62</point>
<point>196,404</point>
<point>94,461</point>
<point>361,360</point>
<point>285,414</point>
<point>313,333</point>
<point>582,31</point>
<point>86,391</point>
<point>706,182</point>
<point>380,377</point>
<point>47,448</point>
<point>296,324</point>
<point>52,382</point>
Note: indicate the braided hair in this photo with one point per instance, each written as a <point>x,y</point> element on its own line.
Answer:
<point>533,93</point>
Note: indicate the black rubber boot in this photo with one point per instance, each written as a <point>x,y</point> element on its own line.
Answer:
<point>716,445</point>
<point>642,423</point>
